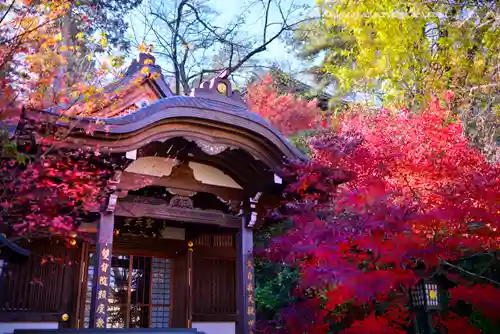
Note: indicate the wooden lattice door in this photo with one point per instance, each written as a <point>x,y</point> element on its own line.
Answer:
<point>140,292</point>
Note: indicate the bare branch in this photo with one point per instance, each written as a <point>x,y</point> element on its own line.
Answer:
<point>7,11</point>
<point>20,36</point>
<point>195,46</point>
<point>266,19</point>
<point>469,272</point>
<point>206,26</point>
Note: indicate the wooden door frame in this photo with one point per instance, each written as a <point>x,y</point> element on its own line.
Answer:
<point>84,276</point>
<point>82,291</point>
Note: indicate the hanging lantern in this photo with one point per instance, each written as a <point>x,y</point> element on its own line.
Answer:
<point>425,295</point>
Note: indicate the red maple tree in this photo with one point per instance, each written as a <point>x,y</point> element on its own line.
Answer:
<point>287,113</point>
<point>385,200</point>
<point>45,190</point>
<point>51,194</point>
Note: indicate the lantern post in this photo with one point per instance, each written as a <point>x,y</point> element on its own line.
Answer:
<point>425,300</point>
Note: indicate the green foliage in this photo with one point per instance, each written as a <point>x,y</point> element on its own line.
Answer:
<point>301,140</point>
<point>484,324</point>
<point>103,16</point>
<point>274,285</point>
<point>407,52</point>
<point>485,264</point>
<point>9,149</point>
<point>405,48</point>
<point>274,281</point>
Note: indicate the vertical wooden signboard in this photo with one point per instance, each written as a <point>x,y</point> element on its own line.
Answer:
<point>102,262</point>
<point>246,281</point>
<point>250,295</point>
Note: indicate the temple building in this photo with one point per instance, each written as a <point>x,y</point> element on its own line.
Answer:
<point>172,246</point>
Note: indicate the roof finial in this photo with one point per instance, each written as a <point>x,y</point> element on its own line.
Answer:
<point>219,88</point>
<point>224,74</point>
<point>146,59</point>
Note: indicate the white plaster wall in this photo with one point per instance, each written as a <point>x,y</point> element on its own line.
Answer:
<point>8,327</point>
<point>159,166</point>
<point>213,176</point>
<point>215,327</point>
<point>154,166</point>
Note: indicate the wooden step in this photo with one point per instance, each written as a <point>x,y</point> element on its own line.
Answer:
<point>109,330</point>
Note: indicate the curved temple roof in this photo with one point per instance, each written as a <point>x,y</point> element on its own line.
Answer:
<point>15,251</point>
<point>213,113</point>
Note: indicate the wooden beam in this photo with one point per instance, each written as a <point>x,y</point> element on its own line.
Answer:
<point>133,181</point>
<point>30,317</point>
<point>224,317</point>
<point>189,304</point>
<point>139,206</point>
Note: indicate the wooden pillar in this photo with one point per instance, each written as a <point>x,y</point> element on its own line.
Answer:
<point>102,268</point>
<point>246,280</point>
<point>179,291</point>
<point>189,304</point>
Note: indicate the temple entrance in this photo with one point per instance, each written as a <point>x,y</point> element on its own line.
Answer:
<point>140,292</point>
<point>204,168</point>
<point>157,280</point>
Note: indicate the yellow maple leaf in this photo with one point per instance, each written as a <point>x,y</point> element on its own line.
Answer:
<point>80,36</point>
<point>143,48</point>
<point>104,41</point>
<point>155,75</point>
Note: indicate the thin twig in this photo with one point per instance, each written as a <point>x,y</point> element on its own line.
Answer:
<point>468,272</point>
<point>7,11</point>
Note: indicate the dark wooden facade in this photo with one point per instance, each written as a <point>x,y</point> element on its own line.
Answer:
<point>53,281</point>
<point>43,287</point>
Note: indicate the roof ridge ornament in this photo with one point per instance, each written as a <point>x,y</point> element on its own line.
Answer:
<point>220,89</point>
<point>210,148</point>
<point>145,60</point>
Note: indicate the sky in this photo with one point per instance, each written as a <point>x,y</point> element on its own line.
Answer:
<point>277,51</point>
